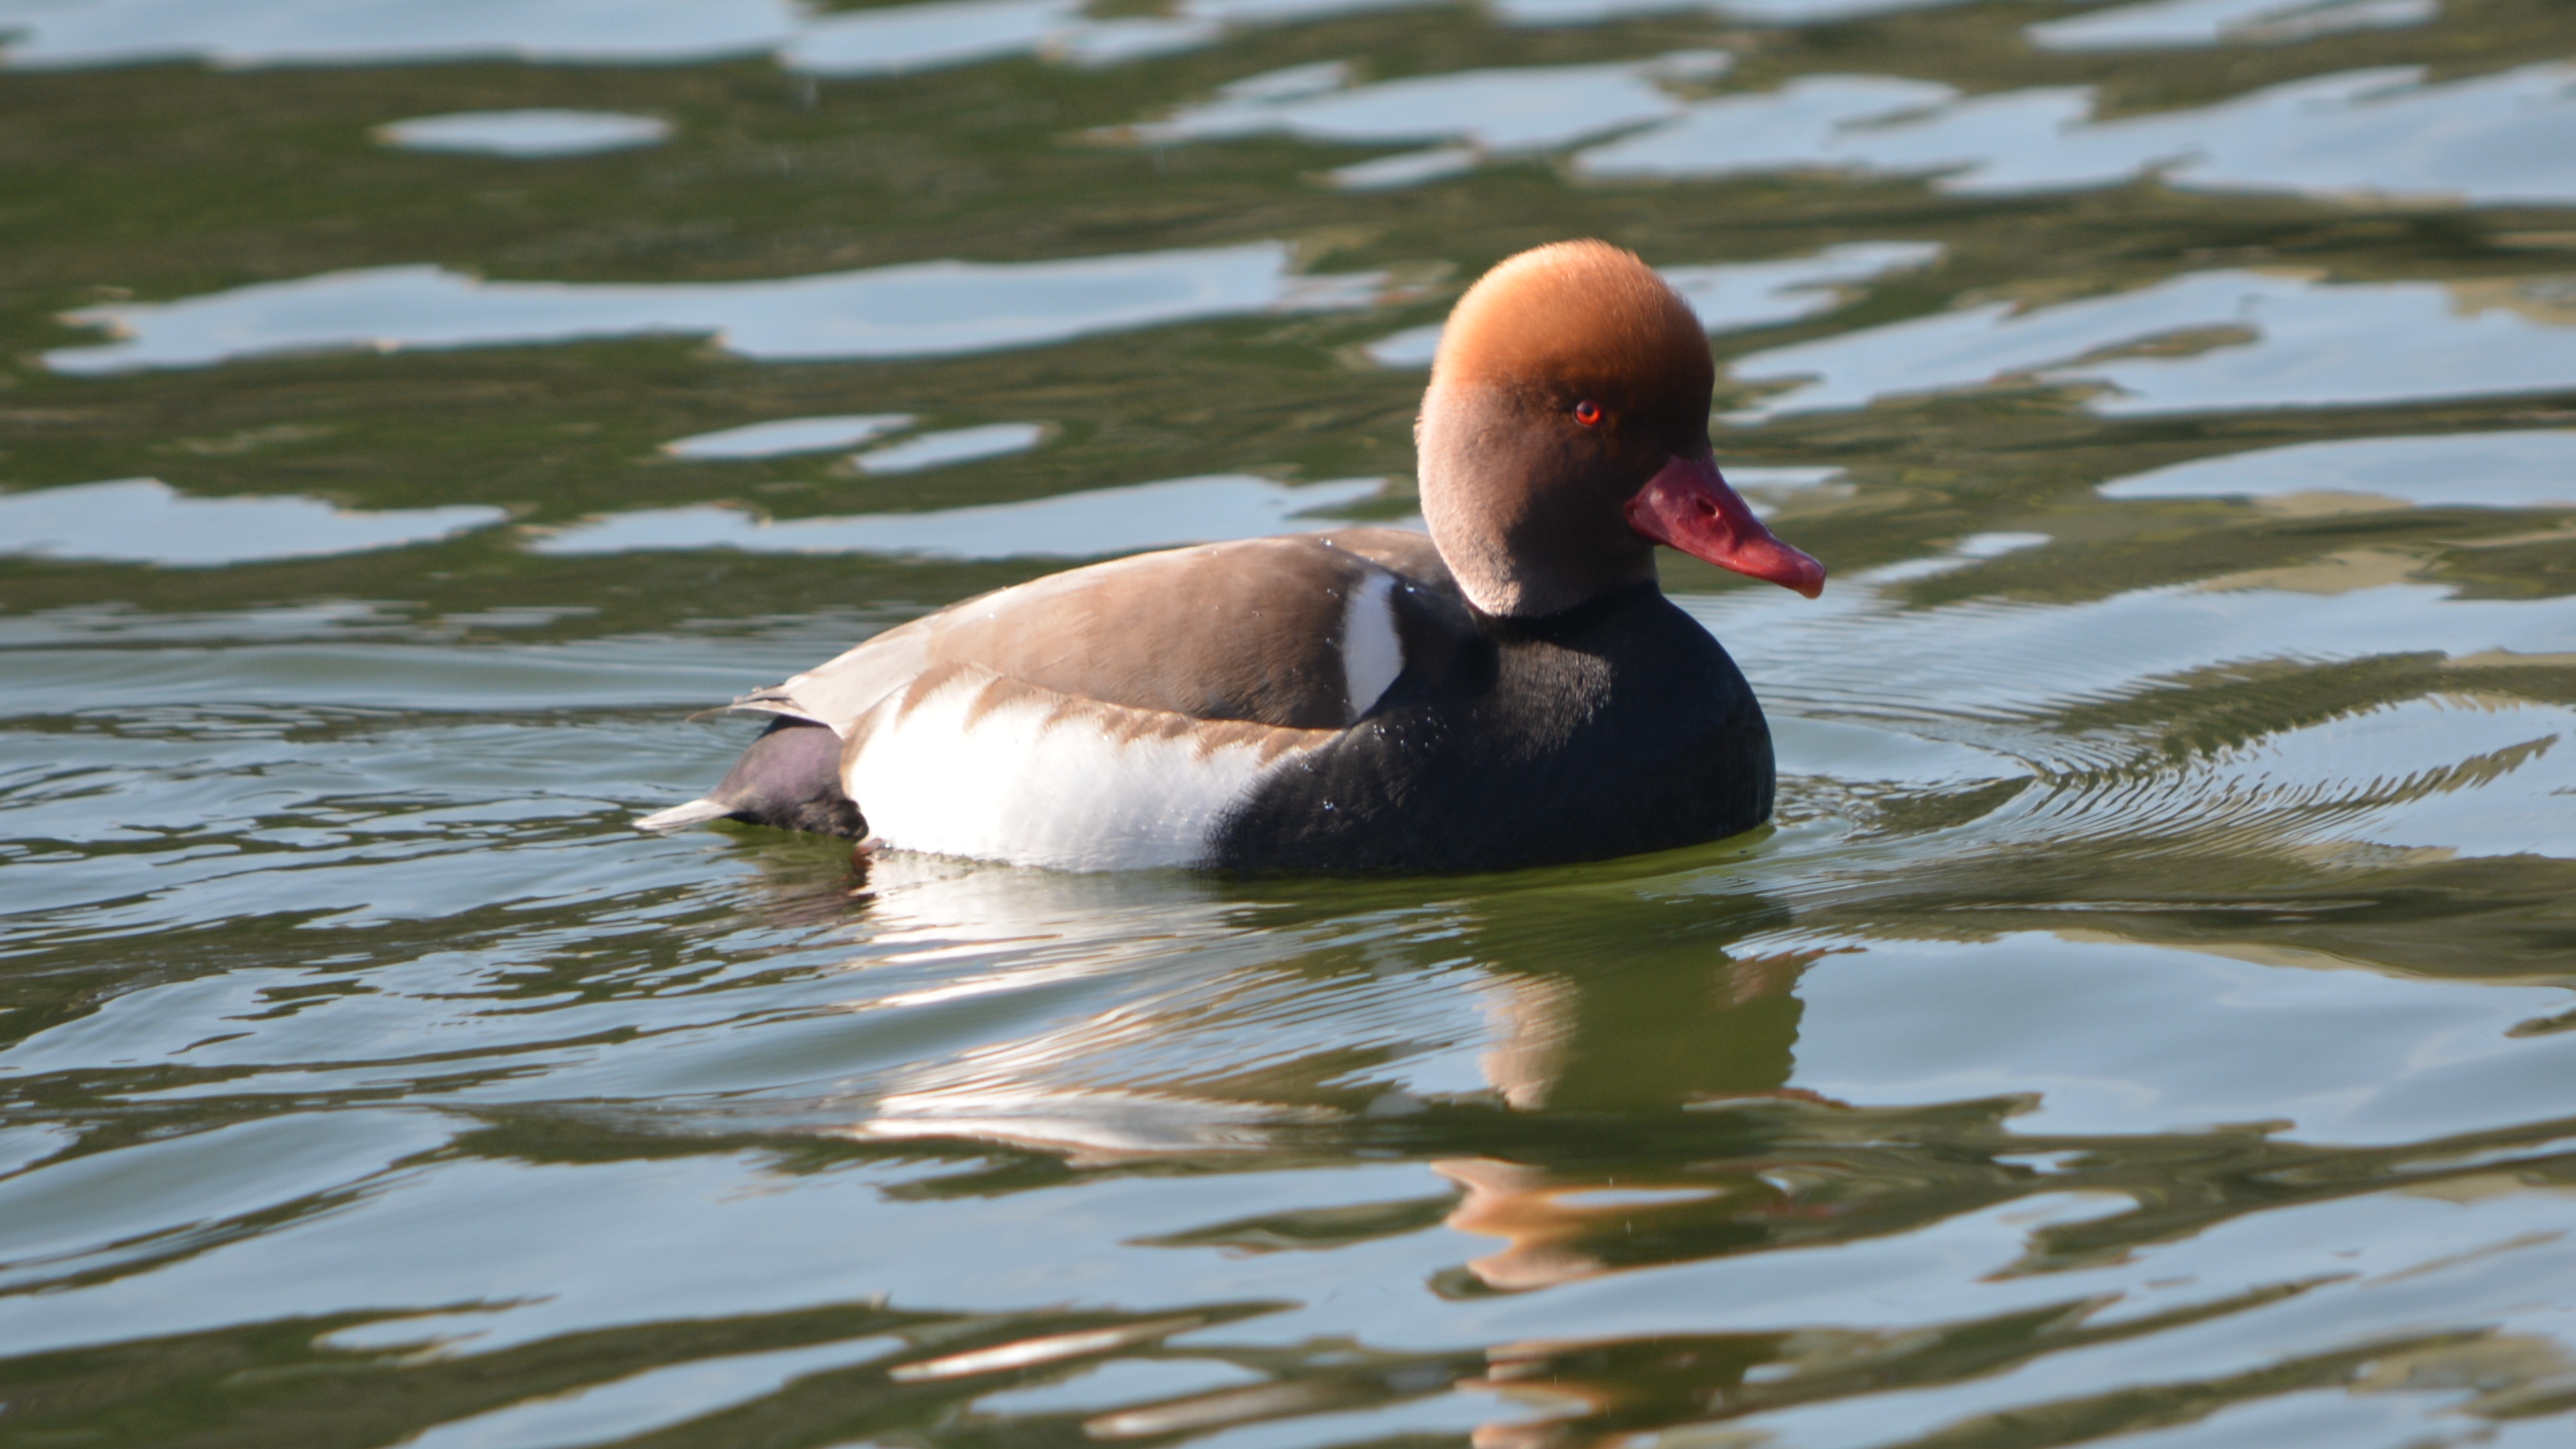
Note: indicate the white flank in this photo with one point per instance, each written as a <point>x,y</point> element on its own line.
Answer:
<point>1029,785</point>
<point>1372,652</point>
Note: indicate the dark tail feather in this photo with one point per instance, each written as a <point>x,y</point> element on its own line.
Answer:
<point>789,778</point>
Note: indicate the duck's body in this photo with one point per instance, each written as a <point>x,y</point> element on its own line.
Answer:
<point>1615,727</point>
<point>1340,706</point>
<point>1511,690</point>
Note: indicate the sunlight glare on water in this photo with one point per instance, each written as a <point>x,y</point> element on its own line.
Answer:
<point>2147,1020</point>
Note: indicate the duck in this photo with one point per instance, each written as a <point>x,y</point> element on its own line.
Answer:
<point>1510,689</point>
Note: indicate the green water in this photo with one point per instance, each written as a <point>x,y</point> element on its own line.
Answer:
<point>2147,1022</point>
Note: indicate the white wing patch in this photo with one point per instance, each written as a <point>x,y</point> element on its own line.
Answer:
<point>1031,782</point>
<point>1372,651</point>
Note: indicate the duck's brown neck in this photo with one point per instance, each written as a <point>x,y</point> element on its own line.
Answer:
<point>1522,523</point>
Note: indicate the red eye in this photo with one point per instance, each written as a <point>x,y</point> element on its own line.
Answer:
<point>1588,413</point>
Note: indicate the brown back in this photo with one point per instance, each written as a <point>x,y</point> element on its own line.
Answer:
<point>1234,631</point>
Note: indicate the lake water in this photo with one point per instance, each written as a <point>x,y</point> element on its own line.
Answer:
<point>2149,1020</point>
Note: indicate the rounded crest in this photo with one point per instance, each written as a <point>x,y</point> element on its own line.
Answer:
<point>1567,377</point>
<point>1581,316</point>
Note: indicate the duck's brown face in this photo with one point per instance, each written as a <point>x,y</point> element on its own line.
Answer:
<point>1565,434</point>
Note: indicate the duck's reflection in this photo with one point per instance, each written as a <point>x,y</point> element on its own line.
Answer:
<point>1596,1392</point>
<point>1658,1029</point>
<point>1541,1044</point>
<point>1537,1046</point>
<point>1675,1022</point>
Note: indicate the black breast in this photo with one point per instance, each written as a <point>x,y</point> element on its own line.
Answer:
<point>1611,729</point>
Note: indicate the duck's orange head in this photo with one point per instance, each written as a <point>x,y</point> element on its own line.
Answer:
<point>1565,434</point>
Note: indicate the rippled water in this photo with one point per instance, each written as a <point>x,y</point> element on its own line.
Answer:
<point>2148,1021</point>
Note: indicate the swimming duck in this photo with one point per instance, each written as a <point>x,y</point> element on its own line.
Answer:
<point>1512,690</point>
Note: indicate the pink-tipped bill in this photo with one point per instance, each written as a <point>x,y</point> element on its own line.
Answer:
<point>1689,507</point>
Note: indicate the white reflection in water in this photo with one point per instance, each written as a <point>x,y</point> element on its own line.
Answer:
<point>1283,12</point>
<point>525,134</point>
<point>1090,1126</point>
<point>2456,776</point>
<point>2349,1056</point>
<point>1059,929</point>
<point>884,40</point>
<point>2265,341</point>
<point>1765,12</point>
<point>785,437</point>
<point>144,520</point>
<point>1118,1383</point>
<point>1463,1411</point>
<point>919,309</point>
<point>271,32</point>
<point>954,445</point>
<point>23,1146</point>
<point>900,38</point>
<point>656,1399</point>
<point>1797,127</point>
<point>2535,469</point>
<point>1124,38</point>
<point>1858,654</point>
<point>1492,112</point>
<point>2464,776</point>
<point>107,1207</point>
<point>1406,168</point>
<point>1312,79</point>
<point>1853,752</point>
<point>1757,294</point>
<point>2375,1268</point>
<point>1071,525</point>
<point>1766,489</point>
<point>1731,296</point>
<point>2178,23</point>
<point>894,40</point>
<point>2485,139</point>
<point>2386,1403</point>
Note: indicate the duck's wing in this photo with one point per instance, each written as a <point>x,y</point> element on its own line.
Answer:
<point>842,690</point>
<point>1101,716</point>
<point>1305,632</point>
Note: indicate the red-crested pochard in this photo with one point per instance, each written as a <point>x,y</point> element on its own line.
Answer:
<point>1512,690</point>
